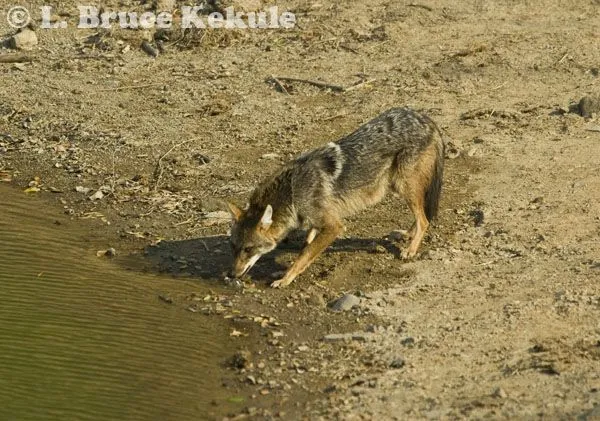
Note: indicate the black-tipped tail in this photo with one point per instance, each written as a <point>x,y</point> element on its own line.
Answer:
<point>434,190</point>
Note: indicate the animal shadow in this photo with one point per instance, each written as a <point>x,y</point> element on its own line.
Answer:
<point>210,258</point>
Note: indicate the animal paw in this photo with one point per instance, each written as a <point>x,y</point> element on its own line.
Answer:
<point>407,254</point>
<point>281,283</point>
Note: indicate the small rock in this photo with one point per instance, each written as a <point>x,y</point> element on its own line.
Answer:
<point>397,363</point>
<point>233,282</point>
<point>240,360</point>
<point>97,196</point>
<point>398,235</point>
<point>81,189</point>
<point>589,105</point>
<point>345,303</point>
<point>478,217</point>
<point>165,299</point>
<point>452,151</point>
<point>499,393</point>
<point>24,40</point>
<point>111,252</point>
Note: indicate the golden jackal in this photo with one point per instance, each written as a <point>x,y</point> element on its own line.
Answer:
<point>400,150</point>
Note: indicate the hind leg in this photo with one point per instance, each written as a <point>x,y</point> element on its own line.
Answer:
<point>412,183</point>
<point>415,201</point>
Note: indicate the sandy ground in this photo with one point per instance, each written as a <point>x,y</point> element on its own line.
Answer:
<point>497,318</point>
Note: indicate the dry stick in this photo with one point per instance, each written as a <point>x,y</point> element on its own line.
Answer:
<point>123,88</point>
<point>347,48</point>
<point>563,57</point>
<point>278,82</point>
<point>324,85</point>
<point>15,58</point>
<point>421,6</point>
<point>158,171</point>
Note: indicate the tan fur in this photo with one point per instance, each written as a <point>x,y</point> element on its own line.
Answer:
<point>401,151</point>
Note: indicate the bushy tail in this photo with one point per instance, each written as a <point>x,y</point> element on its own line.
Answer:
<point>434,190</point>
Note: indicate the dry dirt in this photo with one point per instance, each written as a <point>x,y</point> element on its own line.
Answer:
<point>498,318</point>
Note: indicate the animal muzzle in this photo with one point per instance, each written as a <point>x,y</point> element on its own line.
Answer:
<point>242,268</point>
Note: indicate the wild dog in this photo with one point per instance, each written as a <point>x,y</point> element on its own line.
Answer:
<point>400,150</point>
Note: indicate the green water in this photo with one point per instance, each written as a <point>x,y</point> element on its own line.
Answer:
<point>82,339</point>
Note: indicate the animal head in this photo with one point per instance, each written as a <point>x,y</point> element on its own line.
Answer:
<point>250,237</point>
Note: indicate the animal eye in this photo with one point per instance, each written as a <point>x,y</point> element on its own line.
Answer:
<point>248,250</point>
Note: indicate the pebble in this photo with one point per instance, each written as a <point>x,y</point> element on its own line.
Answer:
<point>241,359</point>
<point>589,105</point>
<point>166,299</point>
<point>398,235</point>
<point>499,393</point>
<point>81,189</point>
<point>24,40</point>
<point>345,302</point>
<point>97,196</point>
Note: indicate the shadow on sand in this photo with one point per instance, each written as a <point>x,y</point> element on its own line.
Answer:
<point>209,258</point>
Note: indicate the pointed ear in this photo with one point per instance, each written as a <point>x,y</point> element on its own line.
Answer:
<point>267,218</point>
<point>236,212</point>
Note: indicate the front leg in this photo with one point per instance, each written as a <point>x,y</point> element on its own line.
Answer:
<point>310,252</point>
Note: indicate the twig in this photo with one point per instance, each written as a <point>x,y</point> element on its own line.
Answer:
<point>421,6</point>
<point>563,57</point>
<point>324,85</point>
<point>278,83</point>
<point>318,84</point>
<point>348,48</point>
<point>358,85</point>
<point>123,88</point>
<point>158,171</point>
<point>15,58</point>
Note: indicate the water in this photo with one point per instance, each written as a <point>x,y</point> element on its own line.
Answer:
<point>81,338</point>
